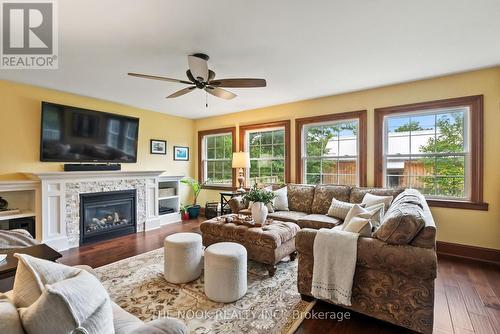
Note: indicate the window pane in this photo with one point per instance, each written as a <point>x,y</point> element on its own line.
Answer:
<point>347,179</point>
<point>254,152</point>
<point>329,178</point>
<point>210,142</point>
<point>210,153</point>
<point>450,132</point>
<point>279,136</point>
<point>265,168</point>
<point>314,149</point>
<point>314,134</point>
<point>313,166</point>
<point>219,152</point>
<point>267,138</point>
<point>312,178</point>
<point>266,151</point>
<point>329,166</point>
<point>254,168</point>
<point>254,138</point>
<point>449,186</point>
<point>278,151</point>
<point>398,139</point>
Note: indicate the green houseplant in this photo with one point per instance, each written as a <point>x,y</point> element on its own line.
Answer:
<point>260,198</point>
<point>194,209</point>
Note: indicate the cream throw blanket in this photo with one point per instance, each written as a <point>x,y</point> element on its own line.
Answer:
<point>335,253</point>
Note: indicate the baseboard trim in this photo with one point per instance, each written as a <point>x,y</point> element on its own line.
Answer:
<point>480,254</point>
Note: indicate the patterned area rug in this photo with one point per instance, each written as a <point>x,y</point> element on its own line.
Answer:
<point>271,305</point>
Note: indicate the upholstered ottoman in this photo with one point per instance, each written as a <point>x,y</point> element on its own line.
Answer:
<point>268,244</point>
<point>183,257</point>
<point>225,272</point>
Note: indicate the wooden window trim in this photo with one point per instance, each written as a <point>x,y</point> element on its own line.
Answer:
<point>262,126</point>
<point>475,103</point>
<point>204,133</point>
<point>360,115</point>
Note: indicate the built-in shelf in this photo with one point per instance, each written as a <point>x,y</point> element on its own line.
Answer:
<point>22,214</point>
<point>167,197</point>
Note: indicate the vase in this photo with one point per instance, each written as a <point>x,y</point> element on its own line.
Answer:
<point>259,212</point>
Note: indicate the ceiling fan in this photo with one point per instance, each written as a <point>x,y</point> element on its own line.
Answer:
<point>202,78</point>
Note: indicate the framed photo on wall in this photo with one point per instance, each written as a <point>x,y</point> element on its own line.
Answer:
<point>158,146</point>
<point>181,153</point>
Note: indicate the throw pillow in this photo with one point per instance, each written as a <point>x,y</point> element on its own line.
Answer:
<point>359,225</point>
<point>79,304</point>
<point>9,317</point>
<point>33,274</point>
<point>280,202</point>
<point>376,214</point>
<point>370,200</point>
<point>373,214</point>
<point>339,209</point>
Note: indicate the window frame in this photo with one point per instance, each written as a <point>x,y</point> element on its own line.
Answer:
<point>244,130</point>
<point>201,162</point>
<point>300,124</point>
<point>475,143</point>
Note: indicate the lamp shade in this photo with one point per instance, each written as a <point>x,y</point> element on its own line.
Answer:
<point>241,160</point>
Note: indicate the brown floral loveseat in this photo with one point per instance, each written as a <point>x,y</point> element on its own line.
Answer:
<point>396,267</point>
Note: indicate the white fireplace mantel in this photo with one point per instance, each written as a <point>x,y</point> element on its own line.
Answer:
<point>59,192</point>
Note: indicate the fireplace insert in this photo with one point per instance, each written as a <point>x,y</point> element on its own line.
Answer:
<point>106,215</point>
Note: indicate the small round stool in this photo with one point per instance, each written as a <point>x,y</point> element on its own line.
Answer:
<point>183,257</point>
<point>225,272</point>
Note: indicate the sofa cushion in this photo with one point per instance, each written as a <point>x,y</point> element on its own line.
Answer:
<point>300,197</point>
<point>323,195</point>
<point>287,216</point>
<point>79,303</point>
<point>10,323</point>
<point>339,209</point>
<point>357,193</point>
<point>401,223</point>
<point>371,200</point>
<point>317,221</point>
<point>280,202</point>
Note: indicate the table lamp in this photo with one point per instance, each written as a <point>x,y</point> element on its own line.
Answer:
<point>241,160</point>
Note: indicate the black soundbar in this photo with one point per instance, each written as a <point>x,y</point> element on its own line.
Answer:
<point>91,167</point>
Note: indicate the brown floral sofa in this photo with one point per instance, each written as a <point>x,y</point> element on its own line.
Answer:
<point>309,204</point>
<point>395,269</point>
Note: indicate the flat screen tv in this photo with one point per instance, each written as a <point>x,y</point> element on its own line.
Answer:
<point>71,134</point>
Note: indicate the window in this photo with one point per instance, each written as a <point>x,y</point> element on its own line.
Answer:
<point>216,148</point>
<point>432,147</point>
<point>332,149</point>
<point>268,145</point>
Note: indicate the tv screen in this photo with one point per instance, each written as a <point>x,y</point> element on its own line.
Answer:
<point>71,134</point>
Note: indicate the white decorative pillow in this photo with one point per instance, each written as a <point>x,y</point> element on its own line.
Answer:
<point>280,202</point>
<point>376,214</point>
<point>339,209</point>
<point>79,304</point>
<point>71,300</point>
<point>359,225</point>
<point>9,317</point>
<point>371,200</point>
<point>373,214</point>
<point>33,274</point>
<point>355,210</point>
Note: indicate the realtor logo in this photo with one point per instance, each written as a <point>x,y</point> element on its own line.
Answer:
<point>29,35</point>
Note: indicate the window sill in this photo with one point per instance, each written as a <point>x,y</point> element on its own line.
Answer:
<point>217,187</point>
<point>453,204</point>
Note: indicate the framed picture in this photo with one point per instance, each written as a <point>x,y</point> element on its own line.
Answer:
<point>181,153</point>
<point>158,146</point>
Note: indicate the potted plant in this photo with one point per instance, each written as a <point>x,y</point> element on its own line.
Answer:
<point>260,198</point>
<point>194,209</point>
<point>184,212</point>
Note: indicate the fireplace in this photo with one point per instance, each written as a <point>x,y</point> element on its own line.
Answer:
<point>106,215</point>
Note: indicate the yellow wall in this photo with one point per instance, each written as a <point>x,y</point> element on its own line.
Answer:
<point>454,225</point>
<point>20,132</point>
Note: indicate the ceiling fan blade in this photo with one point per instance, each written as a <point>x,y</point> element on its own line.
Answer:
<point>219,92</point>
<point>198,68</point>
<point>181,92</point>
<point>239,83</point>
<point>154,77</point>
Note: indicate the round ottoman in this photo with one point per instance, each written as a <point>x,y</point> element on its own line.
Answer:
<point>183,257</point>
<point>225,272</point>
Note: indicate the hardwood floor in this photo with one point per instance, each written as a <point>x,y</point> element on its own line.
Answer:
<point>467,293</point>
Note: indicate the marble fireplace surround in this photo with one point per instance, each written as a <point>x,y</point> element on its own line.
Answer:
<point>60,201</point>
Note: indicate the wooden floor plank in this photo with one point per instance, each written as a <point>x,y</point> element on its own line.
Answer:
<point>458,310</point>
<point>481,324</point>
<point>494,316</point>
<point>442,318</point>
<point>472,300</point>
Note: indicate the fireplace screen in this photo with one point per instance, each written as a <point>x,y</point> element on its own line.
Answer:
<point>106,215</point>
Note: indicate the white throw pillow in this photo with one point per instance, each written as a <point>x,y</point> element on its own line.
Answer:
<point>373,214</point>
<point>359,225</point>
<point>75,303</point>
<point>280,202</point>
<point>33,274</point>
<point>339,209</point>
<point>371,200</point>
<point>376,214</point>
<point>9,317</point>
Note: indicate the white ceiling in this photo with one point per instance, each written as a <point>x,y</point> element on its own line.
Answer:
<point>304,49</point>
